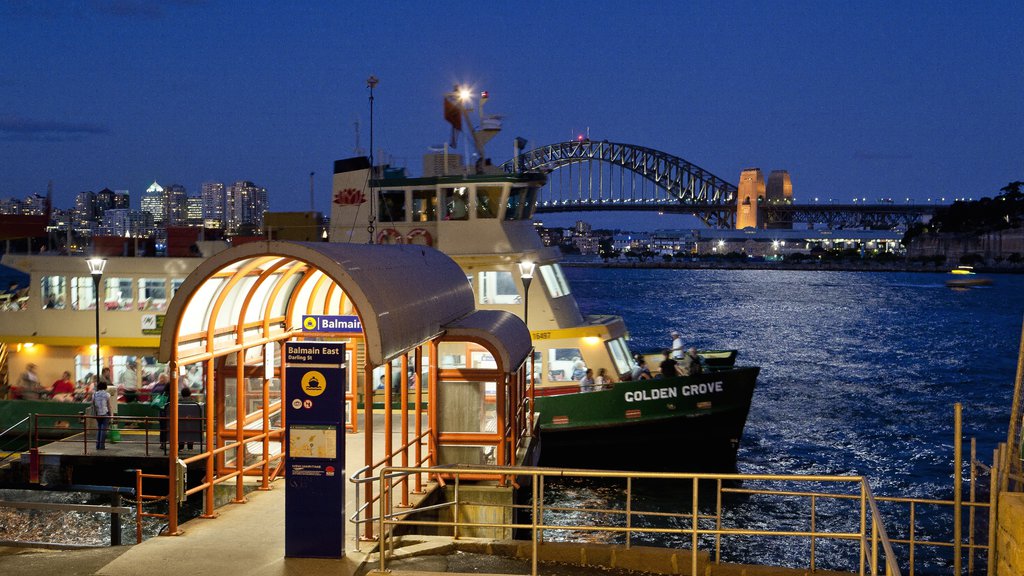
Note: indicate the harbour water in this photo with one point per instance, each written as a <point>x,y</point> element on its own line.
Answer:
<point>860,370</point>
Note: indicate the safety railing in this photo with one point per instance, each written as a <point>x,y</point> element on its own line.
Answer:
<point>873,554</point>
<point>365,479</point>
<point>12,437</point>
<point>147,432</point>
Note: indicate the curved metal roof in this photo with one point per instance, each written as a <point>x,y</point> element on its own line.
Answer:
<point>502,332</point>
<point>403,294</point>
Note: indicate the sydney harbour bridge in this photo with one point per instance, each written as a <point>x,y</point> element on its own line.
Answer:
<point>586,175</point>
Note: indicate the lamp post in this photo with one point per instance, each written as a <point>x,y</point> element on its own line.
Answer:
<point>526,274</point>
<point>96,266</point>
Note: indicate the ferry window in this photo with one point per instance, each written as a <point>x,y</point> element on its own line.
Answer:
<point>175,284</point>
<point>520,204</point>
<point>565,365</point>
<point>117,293</point>
<point>538,366</point>
<point>488,201</point>
<point>54,289</point>
<point>392,206</point>
<point>152,294</point>
<point>498,287</point>
<point>554,280</point>
<point>455,200</point>
<point>83,296</point>
<point>424,205</point>
<point>621,355</point>
<point>451,354</point>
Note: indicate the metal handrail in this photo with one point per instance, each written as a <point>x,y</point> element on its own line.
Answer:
<point>23,433</point>
<point>870,534</point>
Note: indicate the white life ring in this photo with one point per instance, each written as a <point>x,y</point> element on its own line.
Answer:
<point>419,236</point>
<point>389,236</point>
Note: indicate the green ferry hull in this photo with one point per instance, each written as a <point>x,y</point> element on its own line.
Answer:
<point>686,424</point>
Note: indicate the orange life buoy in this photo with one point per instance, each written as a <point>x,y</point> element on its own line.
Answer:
<point>389,236</point>
<point>419,236</point>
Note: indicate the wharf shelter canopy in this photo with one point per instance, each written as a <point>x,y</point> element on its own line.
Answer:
<point>404,295</point>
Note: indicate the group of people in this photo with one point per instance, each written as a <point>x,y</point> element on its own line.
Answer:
<point>28,386</point>
<point>679,361</point>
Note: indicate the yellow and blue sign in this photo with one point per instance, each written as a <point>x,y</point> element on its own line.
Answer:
<point>319,323</point>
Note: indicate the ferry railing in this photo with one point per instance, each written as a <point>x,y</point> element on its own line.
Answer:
<point>11,435</point>
<point>874,549</point>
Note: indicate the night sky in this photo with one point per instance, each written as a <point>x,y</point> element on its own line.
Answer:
<point>855,99</point>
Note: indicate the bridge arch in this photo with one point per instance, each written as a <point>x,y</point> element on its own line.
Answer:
<point>666,182</point>
<point>232,314</point>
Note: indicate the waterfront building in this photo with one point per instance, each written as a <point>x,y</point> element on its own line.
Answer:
<point>773,244</point>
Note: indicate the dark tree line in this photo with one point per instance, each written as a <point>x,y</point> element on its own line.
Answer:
<point>976,216</point>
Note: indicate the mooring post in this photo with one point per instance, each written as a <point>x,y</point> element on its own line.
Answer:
<point>115,519</point>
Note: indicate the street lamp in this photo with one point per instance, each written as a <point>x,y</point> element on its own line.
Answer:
<point>96,266</point>
<point>526,274</point>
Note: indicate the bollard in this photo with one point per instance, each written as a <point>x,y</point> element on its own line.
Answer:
<point>115,519</point>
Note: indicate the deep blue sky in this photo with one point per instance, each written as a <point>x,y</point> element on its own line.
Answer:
<point>875,99</point>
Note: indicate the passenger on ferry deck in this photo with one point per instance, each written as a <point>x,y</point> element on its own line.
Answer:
<point>85,387</point>
<point>677,345</point>
<point>669,367</point>
<point>690,365</point>
<point>587,382</point>
<point>28,387</point>
<point>127,383</point>
<point>641,371</point>
<point>579,369</point>
<point>602,381</point>
<point>63,390</point>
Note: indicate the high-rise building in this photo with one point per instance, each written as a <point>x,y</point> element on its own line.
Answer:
<point>214,196</point>
<point>175,207</point>
<point>85,209</point>
<point>749,197</point>
<point>154,202</point>
<point>244,208</point>
<point>194,211</point>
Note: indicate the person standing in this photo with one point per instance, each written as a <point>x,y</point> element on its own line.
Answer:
<point>677,345</point>
<point>127,383</point>
<point>669,367</point>
<point>602,381</point>
<point>103,404</point>
<point>29,387</point>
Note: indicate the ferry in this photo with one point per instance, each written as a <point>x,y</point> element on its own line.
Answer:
<point>481,216</point>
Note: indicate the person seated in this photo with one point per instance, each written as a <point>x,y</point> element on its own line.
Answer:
<point>690,364</point>
<point>63,390</point>
<point>641,371</point>
<point>587,382</point>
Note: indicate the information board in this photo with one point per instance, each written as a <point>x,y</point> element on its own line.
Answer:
<point>315,376</point>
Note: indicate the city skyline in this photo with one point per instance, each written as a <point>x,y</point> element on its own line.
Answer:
<point>871,100</point>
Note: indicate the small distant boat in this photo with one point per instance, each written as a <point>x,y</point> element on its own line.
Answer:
<point>965,277</point>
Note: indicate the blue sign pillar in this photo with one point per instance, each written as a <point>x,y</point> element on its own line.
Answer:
<point>314,449</point>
